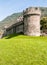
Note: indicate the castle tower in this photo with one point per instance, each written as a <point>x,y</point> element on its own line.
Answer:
<point>32,21</point>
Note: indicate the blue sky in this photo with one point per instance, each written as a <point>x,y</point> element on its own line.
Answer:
<point>8,7</point>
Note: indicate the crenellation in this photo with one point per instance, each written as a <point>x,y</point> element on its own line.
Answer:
<point>32,10</point>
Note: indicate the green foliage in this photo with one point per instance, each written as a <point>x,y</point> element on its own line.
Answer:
<point>43,23</point>
<point>23,50</point>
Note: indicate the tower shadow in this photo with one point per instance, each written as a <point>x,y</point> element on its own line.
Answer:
<point>14,35</point>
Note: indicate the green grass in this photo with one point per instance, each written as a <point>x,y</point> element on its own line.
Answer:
<point>23,50</point>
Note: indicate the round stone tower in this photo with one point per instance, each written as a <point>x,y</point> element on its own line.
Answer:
<point>31,17</point>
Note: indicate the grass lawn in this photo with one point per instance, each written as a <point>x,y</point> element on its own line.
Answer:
<point>23,50</point>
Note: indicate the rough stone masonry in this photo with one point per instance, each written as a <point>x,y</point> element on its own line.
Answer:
<point>32,21</point>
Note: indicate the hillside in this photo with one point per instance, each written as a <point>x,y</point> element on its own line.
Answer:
<point>12,18</point>
<point>44,11</point>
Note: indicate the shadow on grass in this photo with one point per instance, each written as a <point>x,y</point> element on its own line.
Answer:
<point>13,35</point>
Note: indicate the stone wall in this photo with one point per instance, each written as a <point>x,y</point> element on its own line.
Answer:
<point>32,21</point>
<point>29,23</point>
<point>15,28</point>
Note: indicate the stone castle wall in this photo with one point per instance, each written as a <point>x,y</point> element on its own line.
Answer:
<point>32,21</point>
<point>29,23</point>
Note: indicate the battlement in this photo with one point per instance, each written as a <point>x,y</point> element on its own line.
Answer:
<point>31,11</point>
